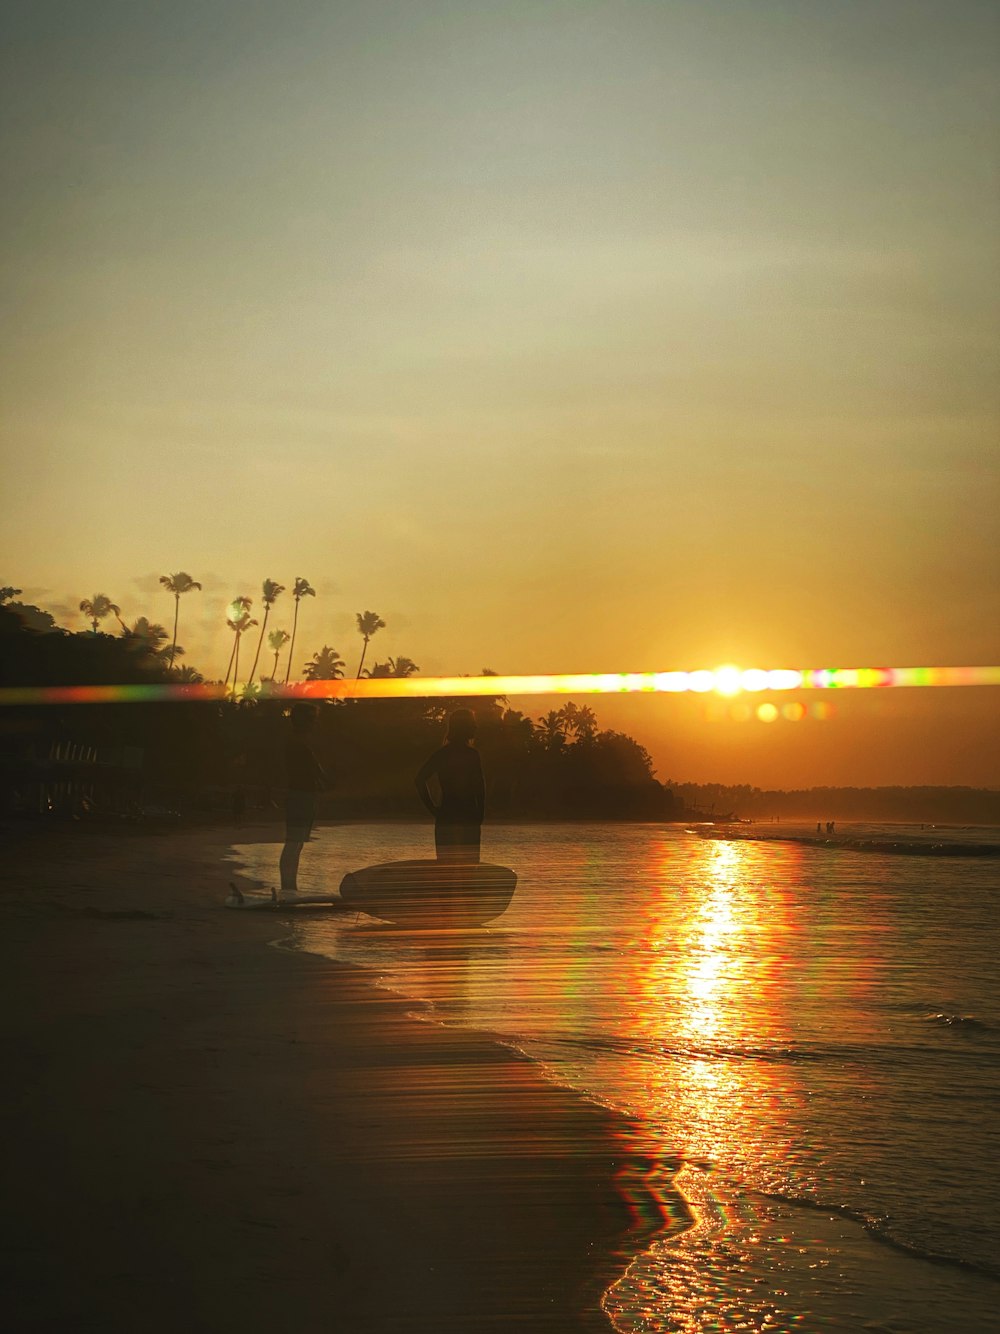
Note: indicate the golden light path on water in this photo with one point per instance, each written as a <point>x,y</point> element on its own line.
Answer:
<point>727,681</point>
<point>709,999</point>
<point>722,989</point>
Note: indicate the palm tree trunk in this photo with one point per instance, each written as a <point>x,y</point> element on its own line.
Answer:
<point>364,650</point>
<point>253,669</point>
<point>275,672</point>
<point>291,646</point>
<point>177,612</point>
<point>236,665</point>
<point>230,667</point>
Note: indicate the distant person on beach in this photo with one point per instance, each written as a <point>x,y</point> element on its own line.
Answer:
<point>458,815</point>
<point>304,778</point>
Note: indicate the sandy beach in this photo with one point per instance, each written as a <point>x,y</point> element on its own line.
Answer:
<point>209,1133</point>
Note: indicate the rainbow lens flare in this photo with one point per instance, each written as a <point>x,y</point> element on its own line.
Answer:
<point>727,681</point>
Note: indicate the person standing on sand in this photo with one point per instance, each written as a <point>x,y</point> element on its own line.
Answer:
<point>304,779</point>
<point>458,816</point>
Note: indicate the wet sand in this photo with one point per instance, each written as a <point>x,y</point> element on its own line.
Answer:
<point>208,1133</point>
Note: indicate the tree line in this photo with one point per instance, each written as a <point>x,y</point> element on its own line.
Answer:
<point>560,765</point>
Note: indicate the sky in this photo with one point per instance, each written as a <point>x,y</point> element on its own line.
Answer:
<point>569,337</point>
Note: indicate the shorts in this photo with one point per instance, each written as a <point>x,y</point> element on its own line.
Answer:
<point>300,813</point>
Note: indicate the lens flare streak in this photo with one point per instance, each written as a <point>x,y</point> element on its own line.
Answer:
<point>726,681</point>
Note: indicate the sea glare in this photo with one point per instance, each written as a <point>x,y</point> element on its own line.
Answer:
<point>802,1039</point>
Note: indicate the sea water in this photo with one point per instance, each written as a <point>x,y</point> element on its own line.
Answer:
<point>802,1039</point>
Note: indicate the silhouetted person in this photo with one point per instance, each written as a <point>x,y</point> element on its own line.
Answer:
<point>304,779</point>
<point>458,816</point>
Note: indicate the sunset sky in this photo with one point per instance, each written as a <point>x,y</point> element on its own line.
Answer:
<point>569,337</point>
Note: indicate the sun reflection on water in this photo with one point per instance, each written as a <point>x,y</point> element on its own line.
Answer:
<point>711,1008</point>
<point>707,1001</point>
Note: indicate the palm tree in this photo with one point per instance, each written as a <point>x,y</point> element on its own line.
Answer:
<point>241,624</point>
<point>326,665</point>
<point>177,584</point>
<point>586,723</point>
<point>239,621</point>
<point>394,667</point>
<point>270,593</point>
<point>99,606</point>
<point>147,638</point>
<point>187,675</point>
<point>368,623</point>
<point>276,641</point>
<point>581,721</point>
<point>551,730</point>
<point>302,588</point>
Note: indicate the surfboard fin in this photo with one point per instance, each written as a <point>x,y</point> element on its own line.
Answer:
<point>235,899</point>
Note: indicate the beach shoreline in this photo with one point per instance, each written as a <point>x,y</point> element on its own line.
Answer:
<point>215,1134</point>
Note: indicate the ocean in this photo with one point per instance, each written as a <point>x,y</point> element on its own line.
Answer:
<point>801,1039</point>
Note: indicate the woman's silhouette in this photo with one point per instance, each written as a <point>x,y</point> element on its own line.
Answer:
<point>458,815</point>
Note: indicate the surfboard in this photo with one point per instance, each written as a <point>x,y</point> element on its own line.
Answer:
<point>272,903</point>
<point>430,893</point>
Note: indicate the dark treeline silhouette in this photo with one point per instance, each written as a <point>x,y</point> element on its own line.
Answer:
<point>122,758</point>
<point>889,805</point>
<point>533,771</point>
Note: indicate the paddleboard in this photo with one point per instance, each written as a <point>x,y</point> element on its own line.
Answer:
<point>430,893</point>
<point>237,899</point>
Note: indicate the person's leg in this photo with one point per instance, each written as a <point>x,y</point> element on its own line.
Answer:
<point>300,811</point>
<point>288,864</point>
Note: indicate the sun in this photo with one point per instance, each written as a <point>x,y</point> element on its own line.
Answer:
<point>728,680</point>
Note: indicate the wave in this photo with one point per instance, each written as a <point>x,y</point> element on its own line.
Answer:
<point>966,1022</point>
<point>895,1054</point>
<point>915,848</point>
<point>879,1230</point>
